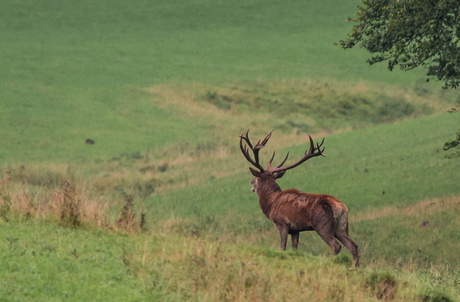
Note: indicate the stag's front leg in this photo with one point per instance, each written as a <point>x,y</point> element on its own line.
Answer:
<point>295,239</point>
<point>284,235</point>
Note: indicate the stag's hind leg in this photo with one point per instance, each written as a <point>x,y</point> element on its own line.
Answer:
<point>327,234</point>
<point>294,239</point>
<point>342,235</point>
<point>350,245</point>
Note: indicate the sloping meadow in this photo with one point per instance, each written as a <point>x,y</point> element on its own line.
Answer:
<point>45,262</point>
<point>159,207</point>
<point>209,241</point>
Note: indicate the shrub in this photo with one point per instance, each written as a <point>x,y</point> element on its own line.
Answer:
<point>69,205</point>
<point>436,297</point>
<point>383,285</point>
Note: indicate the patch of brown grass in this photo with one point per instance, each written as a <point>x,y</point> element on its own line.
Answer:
<point>67,205</point>
<point>416,209</point>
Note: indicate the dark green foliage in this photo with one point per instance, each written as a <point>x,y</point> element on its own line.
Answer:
<point>127,219</point>
<point>5,208</point>
<point>344,258</point>
<point>453,144</point>
<point>128,214</point>
<point>436,297</point>
<point>384,285</point>
<point>409,34</point>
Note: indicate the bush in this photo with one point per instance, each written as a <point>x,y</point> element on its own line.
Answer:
<point>436,297</point>
<point>383,285</point>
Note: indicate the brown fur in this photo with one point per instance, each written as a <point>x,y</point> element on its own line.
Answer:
<point>293,211</point>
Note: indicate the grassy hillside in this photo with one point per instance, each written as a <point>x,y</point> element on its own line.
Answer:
<point>207,196</point>
<point>78,70</point>
<point>404,160</point>
<point>403,262</point>
<point>172,261</point>
<point>146,42</point>
<point>159,208</point>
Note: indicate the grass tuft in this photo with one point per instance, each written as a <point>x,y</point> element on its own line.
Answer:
<point>383,285</point>
<point>69,205</point>
<point>128,214</point>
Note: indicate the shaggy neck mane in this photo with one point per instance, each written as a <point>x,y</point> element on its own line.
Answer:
<point>267,196</point>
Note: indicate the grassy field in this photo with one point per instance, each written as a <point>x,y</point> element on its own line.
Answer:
<point>72,71</point>
<point>45,262</point>
<point>85,44</point>
<point>205,239</point>
<point>160,207</point>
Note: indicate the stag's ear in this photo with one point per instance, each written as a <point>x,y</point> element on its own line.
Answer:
<point>254,172</point>
<point>279,174</point>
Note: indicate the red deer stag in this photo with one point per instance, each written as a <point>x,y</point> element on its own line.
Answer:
<point>293,211</point>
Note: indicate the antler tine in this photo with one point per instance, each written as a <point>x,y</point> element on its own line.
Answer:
<point>271,160</point>
<point>284,160</point>
<point>281,164</point>
<point>318,147</point>
<point>312,148</point>
<point>312,151</point>
<point>312,145</point>
<point>264,141</point>
<point>245,149</point>
<point>246,138</point>
<point>255,149</point>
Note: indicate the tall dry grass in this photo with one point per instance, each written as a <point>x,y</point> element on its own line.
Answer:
<point>198,259</point>
<point>417,209</point>
<point>69,205</point>
<point>196,269</point>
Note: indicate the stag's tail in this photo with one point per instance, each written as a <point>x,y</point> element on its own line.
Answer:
<point>341,217</point>
<point>342,223</point>
<point>341,233</point>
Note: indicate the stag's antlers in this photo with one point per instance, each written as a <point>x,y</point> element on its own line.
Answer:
<point>255,149</point>
<point>313,151</point>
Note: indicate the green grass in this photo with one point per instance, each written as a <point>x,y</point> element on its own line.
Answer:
<point>77,70</point>
<point>165,88</point>
<point>58,264</point>
<point>209,241</point>
<point>405,160</point>
<point>147,42</point>
<point>55,130</point>
<point>48,263</point>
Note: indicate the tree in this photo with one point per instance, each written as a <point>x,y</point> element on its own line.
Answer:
<point>411,33</point>
<point>454,143</point>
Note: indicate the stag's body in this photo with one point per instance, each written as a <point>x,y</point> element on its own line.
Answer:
<point>293,211</point>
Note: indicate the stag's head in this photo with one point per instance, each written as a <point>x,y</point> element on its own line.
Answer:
<point>263,175</point>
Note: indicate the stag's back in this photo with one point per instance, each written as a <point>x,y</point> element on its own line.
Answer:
<point>304,210</point>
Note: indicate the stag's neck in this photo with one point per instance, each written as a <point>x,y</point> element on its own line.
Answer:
<point>267,196</point>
